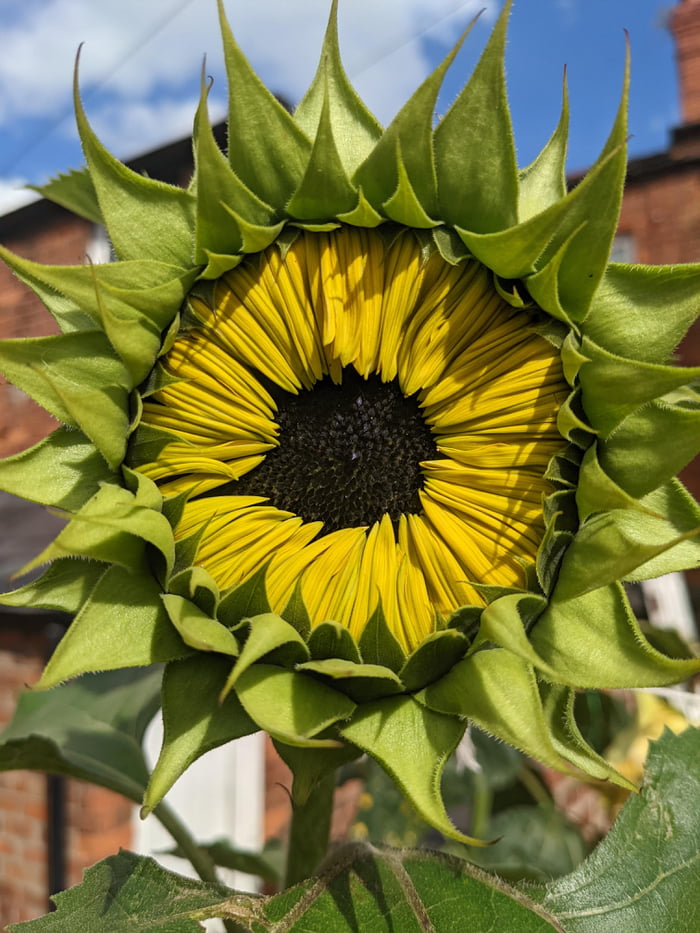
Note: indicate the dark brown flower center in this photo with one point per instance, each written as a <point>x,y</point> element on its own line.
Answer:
<point>347,454</point>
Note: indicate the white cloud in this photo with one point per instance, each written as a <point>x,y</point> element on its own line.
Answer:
<point>136,48</point>
<point>14,194</point>
<point>141,60</point>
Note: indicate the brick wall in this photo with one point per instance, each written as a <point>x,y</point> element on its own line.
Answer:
<point>60,241</point>
<point>685,25</point>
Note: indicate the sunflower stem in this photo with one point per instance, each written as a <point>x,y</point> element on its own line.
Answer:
<point>197,856</point>
<point>310,831</point>
<point>481,806</point>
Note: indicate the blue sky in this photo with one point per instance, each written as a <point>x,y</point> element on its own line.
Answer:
<point>141,61</point>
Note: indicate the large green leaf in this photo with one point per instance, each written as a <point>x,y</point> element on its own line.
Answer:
<point>642,877</point>
<point>646,874</point>
<point>90,729</point>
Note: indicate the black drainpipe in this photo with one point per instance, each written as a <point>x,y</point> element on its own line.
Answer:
<point>56,787</point>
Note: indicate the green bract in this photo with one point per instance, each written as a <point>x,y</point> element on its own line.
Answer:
<point>615,511</point>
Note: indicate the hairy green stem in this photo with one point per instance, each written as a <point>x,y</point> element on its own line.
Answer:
<point>198,857</point>
<point>481,805</point>
<point>310,832</point>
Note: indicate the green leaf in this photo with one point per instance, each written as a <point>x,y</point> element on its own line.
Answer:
<point>91,729</point>
<point>194,720</point>
<point>291,707</point>
<point>122,624</point>
<point>75,191</point>
<point>77,379</point>
<point>390,891</point>
<point>474,149</point>
<point>267,150</point>
<point>534,844</point>
<point>354,129</point>
<point>146,219</point>
<point>412,744</point>
<point>129,893</point>
<point>645,873</point>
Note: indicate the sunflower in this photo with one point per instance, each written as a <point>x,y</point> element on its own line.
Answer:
<point>361,433</point>
<point>369,424</point>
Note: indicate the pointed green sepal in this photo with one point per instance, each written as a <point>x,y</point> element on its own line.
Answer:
<point>362,215</point>
<point>614,388</point>
<point>195,584</point>
<point>112,527</point>
<point>617,544</point>
<point>78,380</point>
<point>354,128</point>
<point>219,192</point>
<point>245,600</point>
<point>194,721</point>
<point>653,443</point>
<point>597,492</point>
<point>325,189</point>
<point>507,621</point>
<point>412,744</point>
<point>474,149</point>
<point>433,658</point>
<point>406,147</point>
<point>270,637</point>
<point>403,206</point>
<point>558,704</point>
<point>378,645</point>
<point>498,691</point>
<point>291,707</point>
<point>333,640</point>
<point>63,587</point>
<point>267,150</point>
<point>146,219</point>
<point>75,191</point>
<point>297,613</point>
<point>642,312</point>
<point>543,182</point>
<point>197,629</point>
<point>122,624</point>
<point>363,683</point>
<point>594,641</point>
<point>63,470</point>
